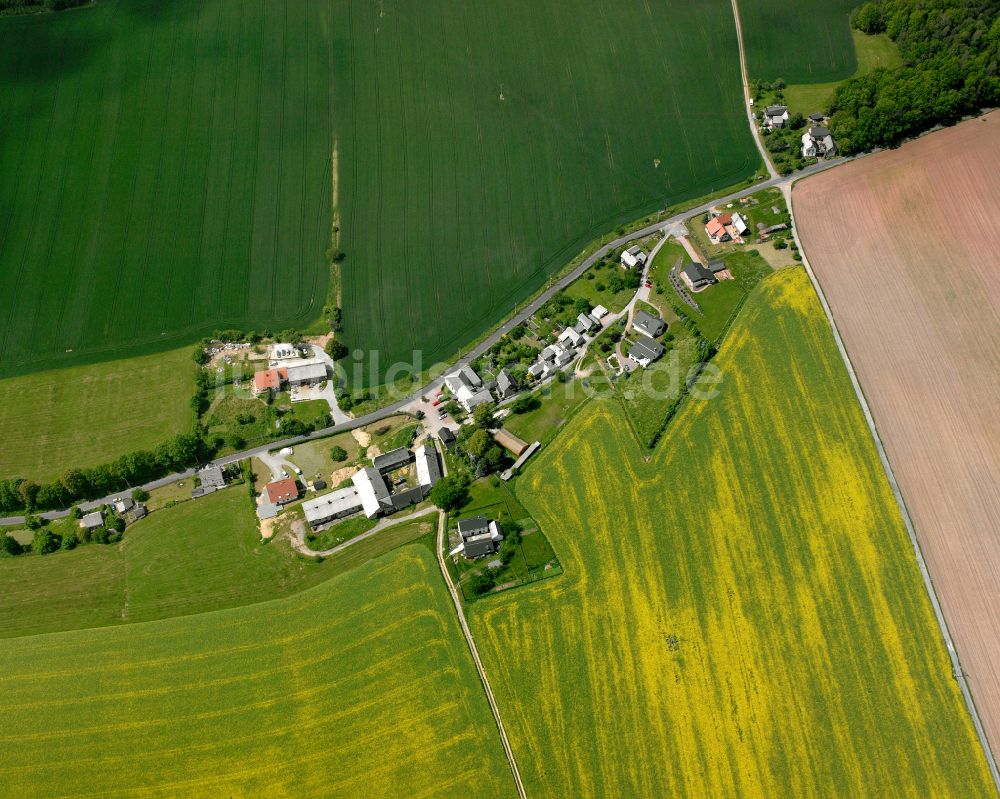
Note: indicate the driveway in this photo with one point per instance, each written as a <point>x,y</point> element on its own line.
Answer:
<point>330,392</point>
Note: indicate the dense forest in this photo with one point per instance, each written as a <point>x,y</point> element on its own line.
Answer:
<point>951,68</point>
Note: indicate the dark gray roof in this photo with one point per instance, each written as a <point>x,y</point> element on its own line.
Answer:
<point>446,436</point>
<point>698,274</point>
<point>504,383</point>
<point>476,525</point>
<point>404,499</point>
<point>394,459</point>
<point>319,485</point>
<point>775,110</point>
<point>818,132</point>
<point>645,349</point>
<point>646,323</point>
<point>817,117</point>
<point>478,547</point>
<point>716,266</point>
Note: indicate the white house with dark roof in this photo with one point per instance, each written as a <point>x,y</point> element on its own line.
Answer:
<point>645,350</point>
<point>775,117</point>
<point>818,143</point>
<point>647,324</point>
<point>467,388</point>
<point>632,257</point>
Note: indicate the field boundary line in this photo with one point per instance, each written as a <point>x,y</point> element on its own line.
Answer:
<point>956,665</point>
<point>442,520</point>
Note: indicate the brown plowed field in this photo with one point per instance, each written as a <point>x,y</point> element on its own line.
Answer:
<point>906,245</point>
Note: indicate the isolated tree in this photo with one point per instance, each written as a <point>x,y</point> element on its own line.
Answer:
<point>482,583</point>
<point>140,494</point>
<point>338,454</point>
<point>478,443</point>
<point>336,349</point>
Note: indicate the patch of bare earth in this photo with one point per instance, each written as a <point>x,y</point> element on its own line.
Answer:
<point>904,244</point>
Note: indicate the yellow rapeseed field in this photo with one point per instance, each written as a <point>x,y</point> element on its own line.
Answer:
<point>359,687</point>
<point>741,616</point>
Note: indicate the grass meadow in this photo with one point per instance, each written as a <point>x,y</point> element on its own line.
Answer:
<point>198,556</point>
<point>362,686</point>
<point>473,165</point>
<point>801,42</point>
<point>83,416</point>
<point>167,172</point>
<point>740,615</point>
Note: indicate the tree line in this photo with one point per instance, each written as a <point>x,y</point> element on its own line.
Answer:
<point>951,68</point>
<point>77,485</point>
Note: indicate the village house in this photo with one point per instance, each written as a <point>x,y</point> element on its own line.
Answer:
<point>585,323</point>
<point>569,337</point>
<point>633,256</point>
<point>647,324</point>
<point>726,227</point>
<point>775,117</point>
<point>505,386</point>
<point>645,350</point>
<point>92,521</point>
<point>268,380</point>
<point>210,480</point>
<point>281,492</point>
<point>480,536</point>
<point>818,143</point>
<point>467,388</point>
<point>697,277</point>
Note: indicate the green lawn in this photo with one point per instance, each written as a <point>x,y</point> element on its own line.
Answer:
<point>732,604</point>
<point>362,686</point>
<point>717,303</point>
<point>340,532</point>
<point>804,41</point>
<point>649,394</point>
<point>873,52</point>
<point>168,173</point>
<point>87,415</point>
<point>477,172</point>
<point>558,402</point>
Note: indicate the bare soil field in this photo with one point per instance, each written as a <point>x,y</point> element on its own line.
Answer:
<point>904,245</point>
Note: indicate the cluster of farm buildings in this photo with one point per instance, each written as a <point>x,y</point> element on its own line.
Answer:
<point>817,141</point>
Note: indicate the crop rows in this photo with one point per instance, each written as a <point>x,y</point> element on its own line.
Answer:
<point>801,42</point>
<point>482,145</point>
<point>169,175</point>
<point>361,686</point>
<point>740,616</point>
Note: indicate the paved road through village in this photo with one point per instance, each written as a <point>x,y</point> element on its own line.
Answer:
<point>474,353</point>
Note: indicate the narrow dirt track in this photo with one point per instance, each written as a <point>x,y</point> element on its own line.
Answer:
<point>902,244</point>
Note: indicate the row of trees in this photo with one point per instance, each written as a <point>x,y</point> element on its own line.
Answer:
<point>130,470</point>
<point>951,53</point>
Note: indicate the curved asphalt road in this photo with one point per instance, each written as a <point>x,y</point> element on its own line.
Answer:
<point>476,351</point>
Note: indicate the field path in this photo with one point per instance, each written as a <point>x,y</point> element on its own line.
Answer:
<point>299,543</point>
<point>442,520</point>
<point>746,96</point>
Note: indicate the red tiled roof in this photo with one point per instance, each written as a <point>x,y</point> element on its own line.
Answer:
<point>725,219</point>
<point>714,227</point>
<point>281,491</point>
<point>271,378</point>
